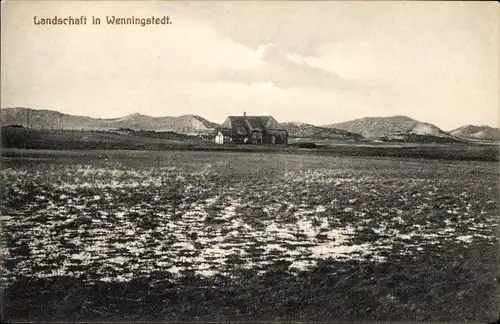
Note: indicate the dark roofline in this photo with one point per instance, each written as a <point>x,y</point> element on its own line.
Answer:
<point>251,116</point>
<point>263,120</point>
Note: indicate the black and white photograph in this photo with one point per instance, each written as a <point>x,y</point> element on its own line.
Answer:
<point>250,161</point>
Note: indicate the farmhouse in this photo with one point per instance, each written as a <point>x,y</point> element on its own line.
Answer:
<point>251,129</point>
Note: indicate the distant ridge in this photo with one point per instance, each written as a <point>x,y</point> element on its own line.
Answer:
<point>473,132</point>
<point>395,127</point>
<point>303,130</point>
<point>38,118</point>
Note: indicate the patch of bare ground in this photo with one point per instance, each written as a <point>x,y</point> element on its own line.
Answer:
<point>207,236</point>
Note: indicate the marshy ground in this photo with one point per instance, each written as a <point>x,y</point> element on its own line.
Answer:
<point>204,236</point>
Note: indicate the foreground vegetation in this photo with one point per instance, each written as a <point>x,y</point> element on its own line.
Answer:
<point>207,236</point>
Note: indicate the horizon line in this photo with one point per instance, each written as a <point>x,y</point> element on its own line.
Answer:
<point>288,121</point>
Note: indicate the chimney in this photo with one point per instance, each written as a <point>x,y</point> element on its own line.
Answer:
<point>244,113</point>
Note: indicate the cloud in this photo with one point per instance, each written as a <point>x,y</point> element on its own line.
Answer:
<point>289,70</point>
<point>106,71</point>
<point>320,65</point>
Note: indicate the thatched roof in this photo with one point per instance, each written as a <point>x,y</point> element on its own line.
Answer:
<point>244,125</point>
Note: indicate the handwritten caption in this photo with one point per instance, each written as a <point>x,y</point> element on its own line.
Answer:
<point>109,20</point>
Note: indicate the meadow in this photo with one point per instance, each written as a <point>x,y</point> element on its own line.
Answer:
<point>206,236</point>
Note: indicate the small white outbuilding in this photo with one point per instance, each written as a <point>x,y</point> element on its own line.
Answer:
<point>219,138</point>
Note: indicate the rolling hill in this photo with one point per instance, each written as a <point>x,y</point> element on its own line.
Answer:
<point>303,130</point>
<point>472,132</point>
<point>396,128</point>
<point>50,119</point>
<point>390,129</point>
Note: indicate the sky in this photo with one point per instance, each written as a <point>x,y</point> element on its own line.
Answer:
<point>317,62</point>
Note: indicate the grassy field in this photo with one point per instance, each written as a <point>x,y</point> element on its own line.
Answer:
<point>74,140</point>
<point>207,236</point>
